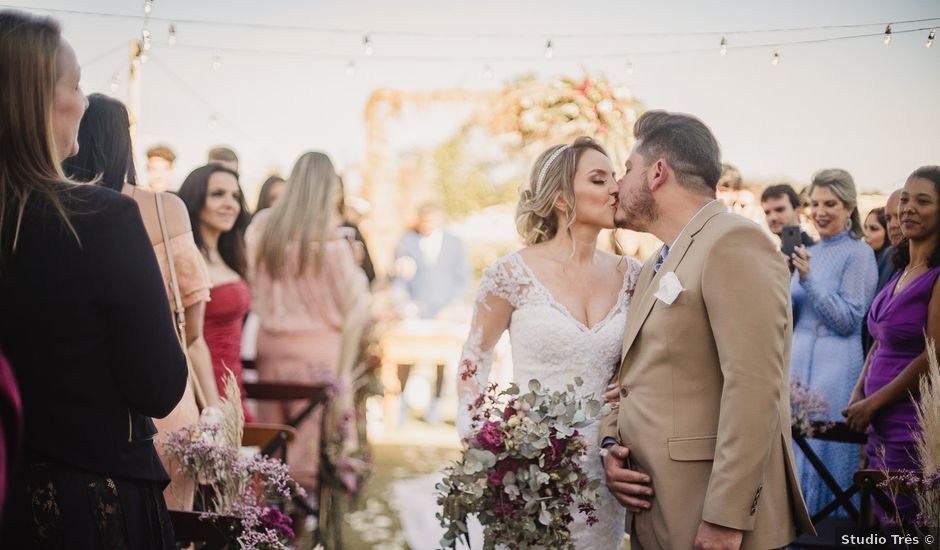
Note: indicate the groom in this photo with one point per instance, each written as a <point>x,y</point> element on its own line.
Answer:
<point>699,451</point>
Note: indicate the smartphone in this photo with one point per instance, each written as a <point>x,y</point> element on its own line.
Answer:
<point>791,237</point>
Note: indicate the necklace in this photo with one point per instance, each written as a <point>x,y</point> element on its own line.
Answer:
<point>907,272</point>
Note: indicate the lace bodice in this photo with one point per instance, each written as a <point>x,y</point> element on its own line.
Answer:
<point>551,345</point>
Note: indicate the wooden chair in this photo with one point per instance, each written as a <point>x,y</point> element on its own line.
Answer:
<point>214,533</point>
<point>314,394</point>
<point>272,439</point>
<point>828,529</point>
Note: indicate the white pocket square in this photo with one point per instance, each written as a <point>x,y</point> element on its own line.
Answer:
<point>669,288</point>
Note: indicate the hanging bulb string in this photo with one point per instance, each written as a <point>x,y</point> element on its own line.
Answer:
<point>526,58</point>
<point>360,32</point>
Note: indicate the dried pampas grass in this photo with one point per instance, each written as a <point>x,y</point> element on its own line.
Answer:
<point>927,440</point>
<point>232,424</point>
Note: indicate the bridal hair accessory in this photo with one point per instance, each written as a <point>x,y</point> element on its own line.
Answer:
<point>548,163</point>
<point>669,288</point>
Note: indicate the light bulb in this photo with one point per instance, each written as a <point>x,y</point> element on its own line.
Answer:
<point>213,122</point>
<point>148,7</point>
<point>887,39</point>
<point>216,62</point>
<point>146,39</point>
<point>367,45</point>
<point>724,46</point>
<point>930,38</point>
<point>549,51</point>
<point>775,59</point>
<point>487,72</point>
<point>172,39</point>
<point>629,68</point>
<point>115,82</point>
<point>351,69</point>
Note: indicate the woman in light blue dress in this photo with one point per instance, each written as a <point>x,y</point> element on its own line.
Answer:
<point>833,285</point>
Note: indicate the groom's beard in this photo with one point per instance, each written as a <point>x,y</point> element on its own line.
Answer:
<point>638,212</point>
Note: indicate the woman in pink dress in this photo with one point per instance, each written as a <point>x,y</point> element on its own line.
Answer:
<point>312,300</point>
<point>219,217</point>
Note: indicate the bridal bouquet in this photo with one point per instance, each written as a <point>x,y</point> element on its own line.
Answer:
<point>521,472</point>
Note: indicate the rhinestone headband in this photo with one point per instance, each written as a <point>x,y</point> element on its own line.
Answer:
<point>547,165</point>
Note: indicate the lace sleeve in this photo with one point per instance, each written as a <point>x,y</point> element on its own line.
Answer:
<point>499,293</point>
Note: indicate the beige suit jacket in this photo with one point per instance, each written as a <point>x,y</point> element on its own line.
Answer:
<point>704,389</point>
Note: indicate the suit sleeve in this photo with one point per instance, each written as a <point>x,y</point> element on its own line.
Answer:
<point>746,293</point>
<point>147,360</point>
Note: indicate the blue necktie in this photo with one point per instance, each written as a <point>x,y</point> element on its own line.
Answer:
<point>663,252</point>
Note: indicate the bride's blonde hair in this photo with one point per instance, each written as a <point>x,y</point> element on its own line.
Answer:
<point>552,174</point>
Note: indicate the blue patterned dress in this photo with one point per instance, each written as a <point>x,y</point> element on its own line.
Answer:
<point>829,308</point>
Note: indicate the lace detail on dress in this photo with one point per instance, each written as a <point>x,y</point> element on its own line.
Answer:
<point>550,344</point>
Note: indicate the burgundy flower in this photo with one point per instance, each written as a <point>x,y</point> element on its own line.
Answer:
<point>490,438</point>
<point>503,467</point>
<point>274,519</point>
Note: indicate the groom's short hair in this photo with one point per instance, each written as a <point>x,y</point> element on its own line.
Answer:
<point>686,143</point>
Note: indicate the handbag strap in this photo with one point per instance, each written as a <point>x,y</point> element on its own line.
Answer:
<point>180,313</point>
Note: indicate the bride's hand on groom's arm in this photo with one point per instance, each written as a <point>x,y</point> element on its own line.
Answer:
<point>631,488</point>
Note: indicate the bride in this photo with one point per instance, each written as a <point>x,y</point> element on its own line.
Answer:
<point>563,300</point>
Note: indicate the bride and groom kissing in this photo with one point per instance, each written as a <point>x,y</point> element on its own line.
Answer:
<point>695,343</point>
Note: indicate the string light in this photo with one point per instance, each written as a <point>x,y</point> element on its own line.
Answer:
<point>216,62</point>
<point>367,45</point>
<point>145,34</point>
<point>629,68</point>
<point>148,7</point>
<point>115,82</point>
<point>775,58</point>
<point>887,39</point>
<point>213,121</point>
<point>549,50</point>
<point>724,46</point>
<point>172,39</point>
<point>351,69</point>
<point>488,72</point>
<point>930,38</point>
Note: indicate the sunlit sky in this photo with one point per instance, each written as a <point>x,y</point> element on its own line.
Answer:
<point>857,104</point>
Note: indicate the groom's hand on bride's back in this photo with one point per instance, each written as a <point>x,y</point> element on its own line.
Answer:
<point>632,489</point>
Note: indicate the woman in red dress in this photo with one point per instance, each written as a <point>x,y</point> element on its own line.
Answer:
<point>219,217</point>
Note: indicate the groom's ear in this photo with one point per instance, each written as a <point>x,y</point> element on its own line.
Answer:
<point>658,174</point>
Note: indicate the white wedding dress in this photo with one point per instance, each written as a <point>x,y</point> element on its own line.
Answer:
<point>550,345</point>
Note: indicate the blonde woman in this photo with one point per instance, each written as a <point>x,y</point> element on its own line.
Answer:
<point>563,301</point>
<point>86,325</point>
<point>311,299</point>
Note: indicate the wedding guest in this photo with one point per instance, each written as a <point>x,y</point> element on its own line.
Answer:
<point>271,191</point>
<point>886,267</point>
<point>224,156</point>
<point>312,300</point>
<point>433,273</point>
<point>781,207</point>
<point>906,309</point>
<point>832,287</point>
<point>105,154</point>
<point>86,325</point>
<point>11,428</point>
<point>361,249</point>
<point>160,160</point>
<point>218,216</point>
<point>876,232</point>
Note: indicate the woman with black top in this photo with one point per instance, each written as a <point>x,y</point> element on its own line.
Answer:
<point>85,321</point>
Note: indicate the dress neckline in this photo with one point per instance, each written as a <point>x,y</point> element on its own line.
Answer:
<point>563,309</point>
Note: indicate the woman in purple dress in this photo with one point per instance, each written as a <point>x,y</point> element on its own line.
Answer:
<point>907,307</point>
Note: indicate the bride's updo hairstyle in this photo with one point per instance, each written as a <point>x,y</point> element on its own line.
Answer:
<point>553,174</point>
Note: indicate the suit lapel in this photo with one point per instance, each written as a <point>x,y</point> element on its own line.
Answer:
<point>640,310</point>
